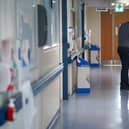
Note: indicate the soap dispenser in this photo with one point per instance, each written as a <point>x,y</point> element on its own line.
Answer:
<point>11,111</point>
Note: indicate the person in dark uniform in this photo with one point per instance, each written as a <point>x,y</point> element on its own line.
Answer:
<point>123,51</point>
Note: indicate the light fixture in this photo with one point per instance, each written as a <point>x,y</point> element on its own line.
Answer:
<point>113,4</point>
<point>126,4</point>
<point>46,47</point>
<point>54,45</point>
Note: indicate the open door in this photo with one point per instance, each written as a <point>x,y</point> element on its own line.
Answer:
<point>106,36</point>
<point>110,22</point>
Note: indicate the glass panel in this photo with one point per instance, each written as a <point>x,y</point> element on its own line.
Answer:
<point>53,22</point>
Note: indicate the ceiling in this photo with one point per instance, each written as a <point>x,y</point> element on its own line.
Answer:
<point>103,3</point>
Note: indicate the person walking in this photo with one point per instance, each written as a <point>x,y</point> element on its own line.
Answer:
<point>123,51</point>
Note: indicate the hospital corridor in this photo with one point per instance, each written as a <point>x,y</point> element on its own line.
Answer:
<point>64,64</point>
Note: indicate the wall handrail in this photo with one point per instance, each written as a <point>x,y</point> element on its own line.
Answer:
<point>40,84</point>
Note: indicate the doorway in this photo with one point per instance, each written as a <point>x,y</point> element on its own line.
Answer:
<point>110,22</point>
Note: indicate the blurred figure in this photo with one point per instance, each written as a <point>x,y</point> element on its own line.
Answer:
<point>123,51</point>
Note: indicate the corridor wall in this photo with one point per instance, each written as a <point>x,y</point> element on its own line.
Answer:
<point>43,61</point>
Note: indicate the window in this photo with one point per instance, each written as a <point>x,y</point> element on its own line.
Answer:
<point>53,24</point>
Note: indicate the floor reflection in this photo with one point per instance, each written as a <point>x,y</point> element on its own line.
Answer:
<point>125,108</point>
<point>104,108</point>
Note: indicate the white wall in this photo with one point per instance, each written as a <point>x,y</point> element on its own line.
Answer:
<point>48,101</point>
<point>47,104</point>
<point>47,59</point>
<point>7,19</point>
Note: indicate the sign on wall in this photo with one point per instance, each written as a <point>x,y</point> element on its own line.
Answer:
<point>26,31</point>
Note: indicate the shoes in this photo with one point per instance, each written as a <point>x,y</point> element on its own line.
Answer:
<point>124,88</point>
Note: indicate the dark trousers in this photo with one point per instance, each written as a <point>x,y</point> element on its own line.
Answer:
<point>124,57</point>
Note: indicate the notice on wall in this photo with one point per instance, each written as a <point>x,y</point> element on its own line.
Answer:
<point>25,14</point>
<point>6,51</point>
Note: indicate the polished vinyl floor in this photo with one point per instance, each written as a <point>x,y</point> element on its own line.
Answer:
<point>106,107</point>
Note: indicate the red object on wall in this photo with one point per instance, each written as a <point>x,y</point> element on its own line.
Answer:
<point>10,114</point>
<point>11,111</point>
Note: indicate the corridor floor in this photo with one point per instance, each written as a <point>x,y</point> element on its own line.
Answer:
<point>106,107</point>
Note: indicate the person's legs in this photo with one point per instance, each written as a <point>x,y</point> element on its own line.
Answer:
<point>124,77</point>
<point>124,56</point>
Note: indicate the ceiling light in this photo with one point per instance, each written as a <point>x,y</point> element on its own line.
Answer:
<point>126,4</point>
<point>113,4</point>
